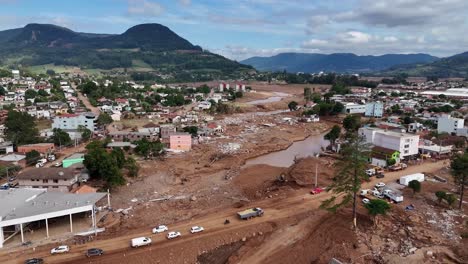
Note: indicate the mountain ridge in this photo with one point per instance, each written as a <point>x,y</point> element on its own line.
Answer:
<point>146,44</point>
<point>335,62</point>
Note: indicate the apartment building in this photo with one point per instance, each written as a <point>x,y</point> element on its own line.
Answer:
<point>406,144</point>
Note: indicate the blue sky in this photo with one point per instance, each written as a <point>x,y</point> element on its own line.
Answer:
<point>239,29</point>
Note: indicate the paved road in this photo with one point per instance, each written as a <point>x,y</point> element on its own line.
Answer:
<point>275,210</point>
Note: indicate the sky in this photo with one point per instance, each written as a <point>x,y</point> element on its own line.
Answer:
<point>239,29</point>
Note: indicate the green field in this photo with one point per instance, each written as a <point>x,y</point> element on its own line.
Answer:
<point>38,69</point>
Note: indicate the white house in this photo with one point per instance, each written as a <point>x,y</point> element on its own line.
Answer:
<point>374,109</point>
<point>406,144</point>
<point>73,121</point>
<point>203,105</point>
<point>449,124</point>
<point>352,108</point>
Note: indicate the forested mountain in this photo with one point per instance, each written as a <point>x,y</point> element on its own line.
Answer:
<point>337,62</point>
<point>150,46</point>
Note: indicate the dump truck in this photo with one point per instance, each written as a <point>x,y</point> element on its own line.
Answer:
<point>249,213</point>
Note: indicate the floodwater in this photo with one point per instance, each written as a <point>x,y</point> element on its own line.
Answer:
<point>278,97</point>
<point>285,158</point>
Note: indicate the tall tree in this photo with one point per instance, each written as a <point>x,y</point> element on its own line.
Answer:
<point>103,165</point>
<point>60,137</point>
<point>415,186</point>
<point>20,128</point>
<point>349,175</point>
<point>377,207</point>
<point>104,119</point>
<point>352,123</point>
<point>333,135</point>
<point>459,168</point>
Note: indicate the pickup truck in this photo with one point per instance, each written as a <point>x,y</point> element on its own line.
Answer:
<point>398,167</point>
<point>249,213</point>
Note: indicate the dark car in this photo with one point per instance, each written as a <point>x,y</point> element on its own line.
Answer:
<point>34,261</point>
<point>94,252</point>
<point>380,175</point>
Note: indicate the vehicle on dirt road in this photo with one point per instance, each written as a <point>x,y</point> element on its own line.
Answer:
<point>60,249</point>
<point>34,261</point>
<point>172,235</point>
<point>94,252</point>
<point>160,229</point>
<point>316,190</point>
<point>196,229</point>
<point>249,213</point>
<point>365,201</point>
<point>380,176</point>
<point>398,167</point>
<point>141,241</point>
<point>380,185</point>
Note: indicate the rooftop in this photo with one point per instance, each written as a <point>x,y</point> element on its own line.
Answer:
<point>48,173</point>
<point>30,202</point>
<point>12,157</point>
<point>75,156</point>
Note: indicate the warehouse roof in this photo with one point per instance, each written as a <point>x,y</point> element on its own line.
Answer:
<point>34,202</point>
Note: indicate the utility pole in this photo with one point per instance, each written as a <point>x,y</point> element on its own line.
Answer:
<point>316,172</point>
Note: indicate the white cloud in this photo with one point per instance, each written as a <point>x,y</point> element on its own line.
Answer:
<point>144,8</point>
<point>355,37</point>
<point>185,2</point>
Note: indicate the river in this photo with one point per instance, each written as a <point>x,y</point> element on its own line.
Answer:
<point>285,158</point>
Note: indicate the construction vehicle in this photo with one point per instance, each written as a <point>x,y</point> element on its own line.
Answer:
<point>249,213</point>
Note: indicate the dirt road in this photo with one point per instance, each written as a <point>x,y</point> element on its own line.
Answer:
<point>86,102</point>
<point>277,210</point>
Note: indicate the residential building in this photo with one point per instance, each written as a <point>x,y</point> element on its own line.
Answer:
<point>52,179</point>
<point>406,144</point>
<point>6,147</point>
<point>167,130</point>
<point>15,159</point>
<point>180,141</point>
<point>381,156</point>
<point>353,108</point>
<point>73,121</point>
<point>132,136</point>
<point>40,147</point>
<point>16,74</point>
<point>448,124</point>
<point>374,109</point>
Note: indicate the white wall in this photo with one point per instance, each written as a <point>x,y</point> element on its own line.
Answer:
<point>449,124</point>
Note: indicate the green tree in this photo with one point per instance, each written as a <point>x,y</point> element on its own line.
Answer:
<point>132,167</point>
<point>352,123</point>
<point>349,175</point>
<point>60,137</point>
<point>104,119</point>
<point>103,165</point>
<point>21,128</point>
<point>415,185</point>
<point>459,170</point>
<point>337,108</point>
<point>193,130</point>
<point>50,72</point>
<point>149,149</point>
<point>43,93</point>
<point>32,156</point>
<point>377,207</point>
<point>292,105</point>
<point>407,120</point>
<point>441,195</point>
<point>30,94</point>
<point>204,89</point>
<point>119,156</point>
<point>85,133</point>
<point>333,135</point>
<point>451,199</point>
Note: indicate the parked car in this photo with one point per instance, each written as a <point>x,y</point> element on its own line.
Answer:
<point>58,164</point>
<point>380,176</point>
<point>94,252</point>
<point>160,229</point>
<point>60,249</point>
<point>34,261</point>
<point>196,229</point>
<point>316,190</point>
<point>380,185</point>
<point>173,234</point>
<point>364,192</point>
<point>365,201</point>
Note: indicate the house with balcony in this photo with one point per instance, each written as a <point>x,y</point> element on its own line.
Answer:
<point>52,179</point>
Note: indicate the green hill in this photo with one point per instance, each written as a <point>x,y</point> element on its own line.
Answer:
<point>152,45</point>
<point>454,66</point>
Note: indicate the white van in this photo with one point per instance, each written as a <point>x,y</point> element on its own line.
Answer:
<point>141,241</point>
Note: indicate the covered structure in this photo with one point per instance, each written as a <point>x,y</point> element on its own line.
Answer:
<point>20,207</point>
